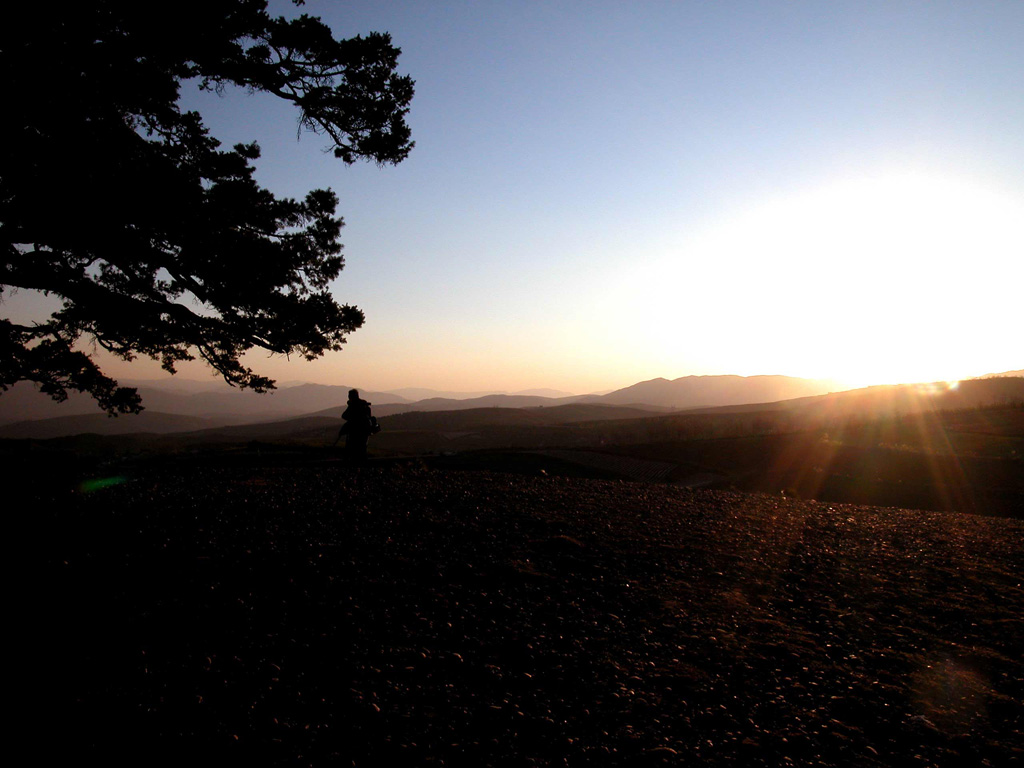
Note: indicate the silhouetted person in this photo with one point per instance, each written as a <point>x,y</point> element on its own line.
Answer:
<point>359,425</point>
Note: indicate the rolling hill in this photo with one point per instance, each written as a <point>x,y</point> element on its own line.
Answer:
<point>893,400</point>
<point>147,422</point>
<point>709,391</point>
<point>217,403</point>
<point>25,410</point>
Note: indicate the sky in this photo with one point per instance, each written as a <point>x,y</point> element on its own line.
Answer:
<point>605,192</point>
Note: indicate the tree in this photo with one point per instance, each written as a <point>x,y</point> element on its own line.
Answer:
<point>156,240</point>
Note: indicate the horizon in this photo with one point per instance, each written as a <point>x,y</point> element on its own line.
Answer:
<point>466,394</point>
<point>602,195</point>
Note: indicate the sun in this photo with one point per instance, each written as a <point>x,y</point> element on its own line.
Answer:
<point>886,277</point>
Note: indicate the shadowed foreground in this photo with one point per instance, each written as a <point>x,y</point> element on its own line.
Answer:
<point>402,616</point>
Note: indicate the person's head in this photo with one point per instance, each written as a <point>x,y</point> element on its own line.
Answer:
<point>353,394</point>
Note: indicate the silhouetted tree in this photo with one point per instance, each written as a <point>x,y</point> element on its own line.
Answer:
<point>123,206</point>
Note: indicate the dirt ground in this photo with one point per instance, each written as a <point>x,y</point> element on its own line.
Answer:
<point>403,616</point>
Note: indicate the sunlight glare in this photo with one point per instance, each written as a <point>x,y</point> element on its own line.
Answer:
<point>886,278</point>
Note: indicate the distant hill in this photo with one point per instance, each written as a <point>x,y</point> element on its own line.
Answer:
<point>219,402</point>
<point>190,406</point>
<point>710,391</point>
<point>414,394</point>
<point>1002,375</point>
<point>589,425</point>
<point>287,428</point>
<point>152,422</point>
<point>894,399</point>
<point>422,393</point>
<point>478,418</point>
<point>487,401</point>
<point>322,425</point>
<point>912,398</point>
<point>552,393</point>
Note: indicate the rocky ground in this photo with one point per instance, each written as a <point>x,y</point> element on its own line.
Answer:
<point>402,616</point>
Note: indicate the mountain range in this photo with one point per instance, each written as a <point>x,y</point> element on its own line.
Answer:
<point>184,405</point>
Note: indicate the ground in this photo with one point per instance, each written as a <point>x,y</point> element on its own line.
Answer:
<point>397,615</point>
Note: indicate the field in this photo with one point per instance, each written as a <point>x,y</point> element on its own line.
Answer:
<point>281,608</point>
<point>968,459</point>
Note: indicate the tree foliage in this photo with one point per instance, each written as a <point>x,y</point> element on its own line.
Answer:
<point>157,241</point>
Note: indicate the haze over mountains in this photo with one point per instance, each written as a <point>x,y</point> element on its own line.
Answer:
<point>189,398</point>
<point>181,405</point>
<point>710,391</point>
<point>220,404</point>
<point>422,393</point>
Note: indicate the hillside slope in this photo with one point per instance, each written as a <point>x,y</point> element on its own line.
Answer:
<point>406,617</point>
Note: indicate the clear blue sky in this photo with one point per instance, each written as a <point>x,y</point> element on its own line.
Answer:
<point>602,193</point>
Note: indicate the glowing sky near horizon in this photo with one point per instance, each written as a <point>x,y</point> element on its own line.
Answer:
<point>603,193</point>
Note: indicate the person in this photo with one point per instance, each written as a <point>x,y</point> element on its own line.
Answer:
<point>359,425</point>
